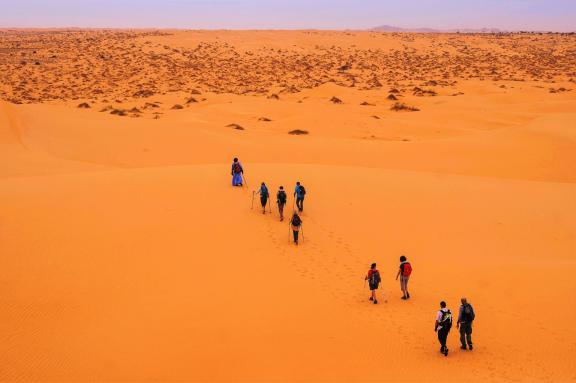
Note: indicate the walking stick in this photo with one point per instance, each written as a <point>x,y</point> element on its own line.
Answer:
<point>270,205</point>
<point>245,181</point>
<point>252,208</point>
<point>289,232</point>
<point>302,228</point>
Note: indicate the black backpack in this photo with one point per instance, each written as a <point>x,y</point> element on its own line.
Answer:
<point>446,320</point>
<point>296,221</point>
<point>468,313</point>
<point>375,278</point>
<point>282,196</point>
<point>302,191</point>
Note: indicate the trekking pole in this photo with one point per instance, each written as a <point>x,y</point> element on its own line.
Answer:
<point>289,232</point>
<point>302,228</point>
<point>252,208</point>
<point>270,205</point>
<point>245,181</point>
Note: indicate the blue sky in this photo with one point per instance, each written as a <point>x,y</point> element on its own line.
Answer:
<point>556,15</point>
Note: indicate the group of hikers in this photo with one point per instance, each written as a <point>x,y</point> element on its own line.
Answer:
<point>443,322</point>
<point>238,179</point>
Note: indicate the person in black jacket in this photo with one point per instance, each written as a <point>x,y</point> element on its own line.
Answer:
<point>281,202</point>
<point>465,318</point>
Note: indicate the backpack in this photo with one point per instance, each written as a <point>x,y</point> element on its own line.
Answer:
<point>302,191</point>
<point>407,269</point>
<point>264,191</point>
<point>446,320</point>
<point>282,197</point>
<point>375,278</point>
<point>296,221</point>
<point>237,167</point>
<point>468,313</point>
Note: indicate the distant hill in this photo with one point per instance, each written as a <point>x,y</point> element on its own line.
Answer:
<point>390,28</point>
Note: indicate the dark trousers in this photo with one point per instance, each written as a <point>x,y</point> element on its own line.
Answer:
<point>295,233</point>
<point>442,336</point>
<point>466,334</point>
<point>281,209</point>
<point>263,201</point>
<point>300,203</point>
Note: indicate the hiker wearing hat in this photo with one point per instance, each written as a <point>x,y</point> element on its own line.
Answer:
<point>263,196</point>
<point>281,201</point>
<point>465,318</point>
<point>299,193</point>
<point>296,225</point>
<point>373,278</point>
<point>404,273</point>
<point>442,326</point>
<point>237,173</point>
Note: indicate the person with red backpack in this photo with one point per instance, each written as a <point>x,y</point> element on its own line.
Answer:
<point>373,278</point>
<point>404,273</point>
<point>237,173</point>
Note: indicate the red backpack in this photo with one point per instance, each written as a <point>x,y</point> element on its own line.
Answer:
<point>407,269</point>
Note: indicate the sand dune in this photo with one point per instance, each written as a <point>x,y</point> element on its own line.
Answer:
<point>127,255</point>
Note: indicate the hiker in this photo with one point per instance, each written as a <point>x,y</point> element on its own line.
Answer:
<point>443,326</point>
<point>296,225</point>
<point>263,196</point>
<point>299,193</point>
<point>237,173</point>
<point>404,273</point>
<point>373,278</point>
<point>465,318</point>
<point>281,202</point>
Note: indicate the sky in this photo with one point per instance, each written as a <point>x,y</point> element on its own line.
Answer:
<point>547,15</point>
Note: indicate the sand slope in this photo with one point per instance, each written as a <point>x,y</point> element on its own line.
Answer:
<point>127,255</point>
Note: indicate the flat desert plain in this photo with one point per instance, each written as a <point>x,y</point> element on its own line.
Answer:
<point>126,254</point>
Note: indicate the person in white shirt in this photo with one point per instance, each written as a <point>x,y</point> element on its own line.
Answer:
<point>442,326</point>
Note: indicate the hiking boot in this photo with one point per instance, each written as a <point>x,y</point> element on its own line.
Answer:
<point>463,347</point>
<point>375,301</point>
<point>407,296</point>
<point>371,298</point>
<point>470,347</point>
<point>404,297</point>
<point>446,351</point>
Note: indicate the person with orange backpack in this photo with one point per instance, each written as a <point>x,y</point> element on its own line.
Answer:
<point>404,273</point>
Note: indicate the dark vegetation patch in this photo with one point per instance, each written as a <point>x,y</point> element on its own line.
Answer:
<point>398,107</point>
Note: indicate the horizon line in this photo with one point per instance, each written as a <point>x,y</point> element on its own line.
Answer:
<point>372,29</point>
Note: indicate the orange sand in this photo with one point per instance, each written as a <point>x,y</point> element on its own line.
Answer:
<point>127,256</point>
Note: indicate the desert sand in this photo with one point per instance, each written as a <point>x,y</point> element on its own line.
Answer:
<point>126,254</point>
